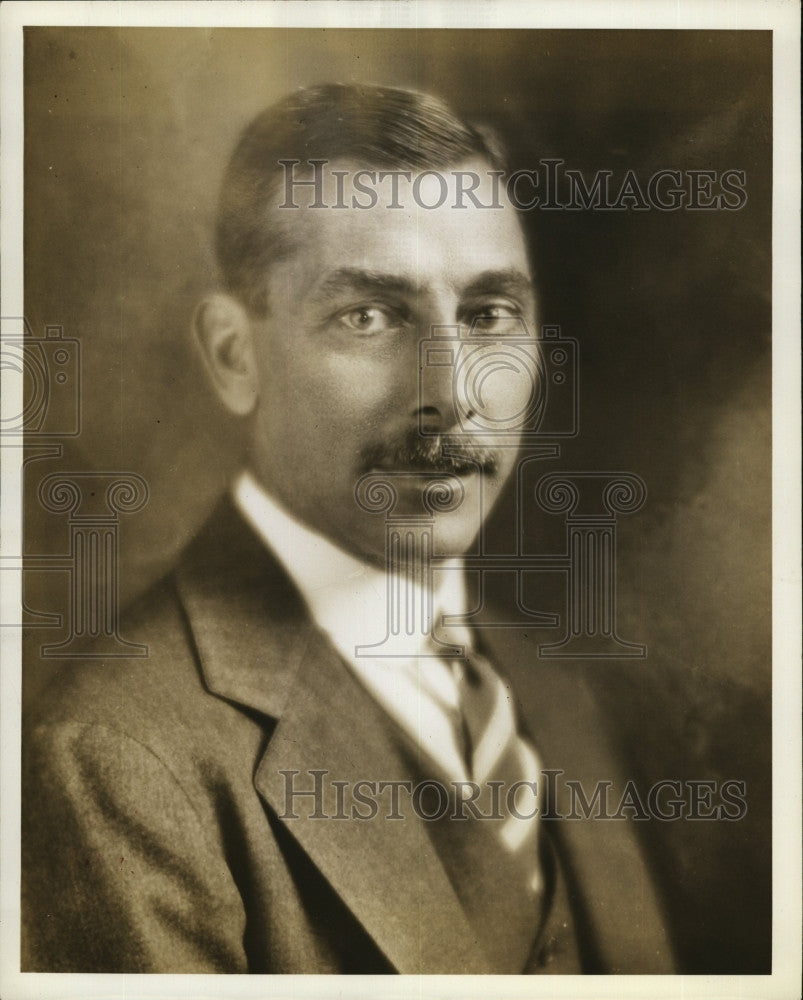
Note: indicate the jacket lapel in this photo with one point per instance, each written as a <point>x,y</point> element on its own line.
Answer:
<point>385,870</point>
<point>258,648</point>
<point>605,865</point>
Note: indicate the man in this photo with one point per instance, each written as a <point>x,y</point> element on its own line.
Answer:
<point>219,806</point>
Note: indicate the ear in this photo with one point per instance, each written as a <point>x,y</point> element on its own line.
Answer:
<point>224,335</point>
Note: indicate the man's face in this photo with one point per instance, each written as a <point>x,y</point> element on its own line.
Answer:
<point>341,391</point>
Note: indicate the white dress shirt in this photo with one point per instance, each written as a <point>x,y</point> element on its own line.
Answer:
<point>347,598</point>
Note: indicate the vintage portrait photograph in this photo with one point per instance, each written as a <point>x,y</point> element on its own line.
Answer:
<point>391,444</point>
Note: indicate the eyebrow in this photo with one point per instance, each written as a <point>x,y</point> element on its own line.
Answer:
<point>510,281</point>
<point>358,279</point>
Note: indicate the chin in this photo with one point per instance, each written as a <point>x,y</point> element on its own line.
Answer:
<point>455,534</point>
<point>452,529</point>
<point>450,535</point>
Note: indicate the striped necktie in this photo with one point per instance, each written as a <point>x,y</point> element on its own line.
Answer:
<point>494,861</point>
<point>502,764</point>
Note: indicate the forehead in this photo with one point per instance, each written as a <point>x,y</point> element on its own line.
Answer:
<point>430,231</point>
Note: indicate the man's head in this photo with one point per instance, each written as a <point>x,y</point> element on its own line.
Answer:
<point>330,286</point>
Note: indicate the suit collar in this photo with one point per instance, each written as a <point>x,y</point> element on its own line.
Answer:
<point>249,622</point>
<point>259,649</point>
<point>342,591</point>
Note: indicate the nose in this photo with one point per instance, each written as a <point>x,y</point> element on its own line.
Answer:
<point>439,407</point>
<point>436,409</point>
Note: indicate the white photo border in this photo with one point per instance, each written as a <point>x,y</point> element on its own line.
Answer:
<point>783,19</point>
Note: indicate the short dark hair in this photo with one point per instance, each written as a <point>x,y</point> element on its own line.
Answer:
<point>385,128</point>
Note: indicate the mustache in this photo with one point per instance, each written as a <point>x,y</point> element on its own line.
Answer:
<point>437,453</point>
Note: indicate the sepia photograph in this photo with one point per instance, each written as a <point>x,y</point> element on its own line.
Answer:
<point>392,447</point>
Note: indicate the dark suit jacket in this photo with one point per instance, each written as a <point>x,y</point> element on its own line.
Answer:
<point>153,794</point>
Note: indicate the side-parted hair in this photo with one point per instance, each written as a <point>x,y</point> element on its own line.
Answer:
<point>382,128</point>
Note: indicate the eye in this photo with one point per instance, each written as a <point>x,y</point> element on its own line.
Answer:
<point>367,319</point>
<point>500,318</point>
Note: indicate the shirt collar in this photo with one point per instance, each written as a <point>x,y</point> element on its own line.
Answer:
<point>346,596</point>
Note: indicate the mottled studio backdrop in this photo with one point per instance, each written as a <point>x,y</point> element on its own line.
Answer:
<point>127,133</point>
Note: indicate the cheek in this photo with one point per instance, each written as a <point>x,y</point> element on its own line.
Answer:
<point>327,395</point>
<point>500,385</point>
<point>362,388</point>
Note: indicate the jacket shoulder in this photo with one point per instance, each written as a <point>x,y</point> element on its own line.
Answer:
<point>158,699</point>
